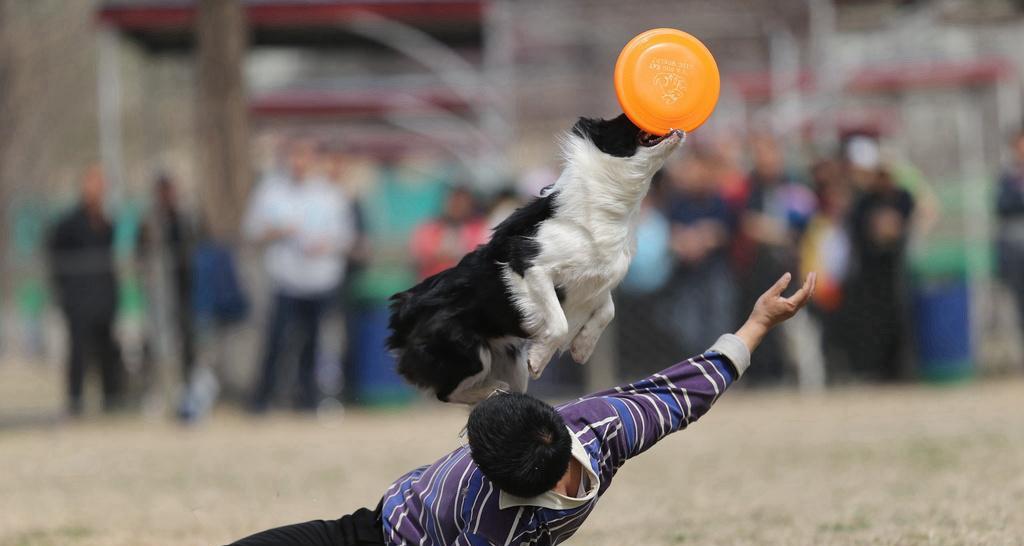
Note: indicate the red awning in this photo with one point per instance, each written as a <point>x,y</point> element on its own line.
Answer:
<point>355,102</point>
<point>171,15</point>
<point>892,78</point>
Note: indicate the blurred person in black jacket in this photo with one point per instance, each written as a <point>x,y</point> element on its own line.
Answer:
<point>177,238</point>
<point>1010,212</point>
<point>877,309</point>
<point>777,210</point>
<point>702,293</point>
<point>82,269</point>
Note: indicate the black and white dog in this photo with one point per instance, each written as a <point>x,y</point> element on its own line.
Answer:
<point>543,283</point>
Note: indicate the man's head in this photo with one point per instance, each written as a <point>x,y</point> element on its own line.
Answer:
<point>1018,146</point>
<point>831,187</point>
<point>459,205</point>
<point>166,193</point>
<point>768,159</point>
<point>93,187</point>
<point>690,174</point>
<point>337,163</point>
<point>520,443</point>
<point>302,154</point>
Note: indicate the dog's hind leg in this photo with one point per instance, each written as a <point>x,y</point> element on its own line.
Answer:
<point>480,385</point>
<point>509,363</point>
<point>586,339</point>
<point>477,394</point>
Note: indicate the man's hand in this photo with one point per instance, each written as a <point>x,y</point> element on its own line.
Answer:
<point>772,309</point>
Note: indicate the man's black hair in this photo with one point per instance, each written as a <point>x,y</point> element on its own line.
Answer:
<point>520,443</point>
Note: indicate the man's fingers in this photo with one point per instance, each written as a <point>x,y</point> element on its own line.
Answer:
<point>780,285</point>
<point>801,296</point>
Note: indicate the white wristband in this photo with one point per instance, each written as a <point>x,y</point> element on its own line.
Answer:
<point>732,347</point>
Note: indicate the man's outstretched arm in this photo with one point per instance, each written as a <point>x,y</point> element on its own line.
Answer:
<point>646,411</point>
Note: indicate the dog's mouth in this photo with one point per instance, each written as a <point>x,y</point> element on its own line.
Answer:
<point>647,139</point>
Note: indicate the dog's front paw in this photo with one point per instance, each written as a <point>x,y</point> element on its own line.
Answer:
<point>583,346</point>
<point>535,368</point>
<point>537,360</point>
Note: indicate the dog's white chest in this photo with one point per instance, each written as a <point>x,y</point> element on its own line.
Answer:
<point>585,291</point>
<point>591,281</point>
<point>584,268</point>
<point>585,261</point>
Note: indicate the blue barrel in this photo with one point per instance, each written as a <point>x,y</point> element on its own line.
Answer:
<point>943,327</point>
<point>374,379</point>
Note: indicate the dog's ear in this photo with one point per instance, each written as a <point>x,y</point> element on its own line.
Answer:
<point>617,136</point>
<point>585,127</point>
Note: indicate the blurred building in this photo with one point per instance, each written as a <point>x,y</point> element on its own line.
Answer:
<point>472,78</point>
<point>489,84</point>
<point>479,90</point>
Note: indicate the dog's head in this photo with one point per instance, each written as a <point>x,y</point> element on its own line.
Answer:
<point>634,152</point>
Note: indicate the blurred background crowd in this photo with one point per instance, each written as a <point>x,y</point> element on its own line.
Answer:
<point>212,200</point>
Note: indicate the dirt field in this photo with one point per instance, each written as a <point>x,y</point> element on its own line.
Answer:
<point>885,466</point>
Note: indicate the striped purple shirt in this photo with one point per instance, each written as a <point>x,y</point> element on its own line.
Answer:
<point>451,502</point>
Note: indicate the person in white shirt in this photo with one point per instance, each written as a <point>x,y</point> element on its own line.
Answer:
<point>306,226</point>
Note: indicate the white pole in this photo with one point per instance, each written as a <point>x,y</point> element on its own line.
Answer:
<point>499,113</point>
<point>1008,110</point>
<point>461,77</point>
<point>784,56</point>
<point>109,93</point>
<point>827,77</point>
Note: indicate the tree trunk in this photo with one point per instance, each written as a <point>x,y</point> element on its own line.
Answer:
<point>6,136</point>
<point>223,125</point>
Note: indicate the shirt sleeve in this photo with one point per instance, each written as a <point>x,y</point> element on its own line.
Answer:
<point>652,408</point>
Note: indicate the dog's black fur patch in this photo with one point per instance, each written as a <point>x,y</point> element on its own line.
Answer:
<point>617,136</point>
<point>439,325</point>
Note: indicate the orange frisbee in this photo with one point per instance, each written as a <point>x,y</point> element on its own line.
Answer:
<point>666,79</point>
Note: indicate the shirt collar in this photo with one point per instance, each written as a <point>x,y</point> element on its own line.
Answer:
<point>558,501</point>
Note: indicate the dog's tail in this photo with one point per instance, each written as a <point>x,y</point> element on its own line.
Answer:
<point>439,353</point>
<point>412,307</point>
<point>402,307</point>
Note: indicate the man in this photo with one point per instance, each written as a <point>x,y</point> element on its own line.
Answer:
<point>1010,211</point>
<point>82,268</point>
<point>877,314</point>
<point>532,474</point>
<point>176,243</point>
<point>825,249</point>
<point>339,171</point>
<point>641,303</point>
<point>440,243</point>
<point>306,225</point>
<point>777,210</point>
<point>702,295</point>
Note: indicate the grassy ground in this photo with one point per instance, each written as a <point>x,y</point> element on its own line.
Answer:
<point>880,466</point>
